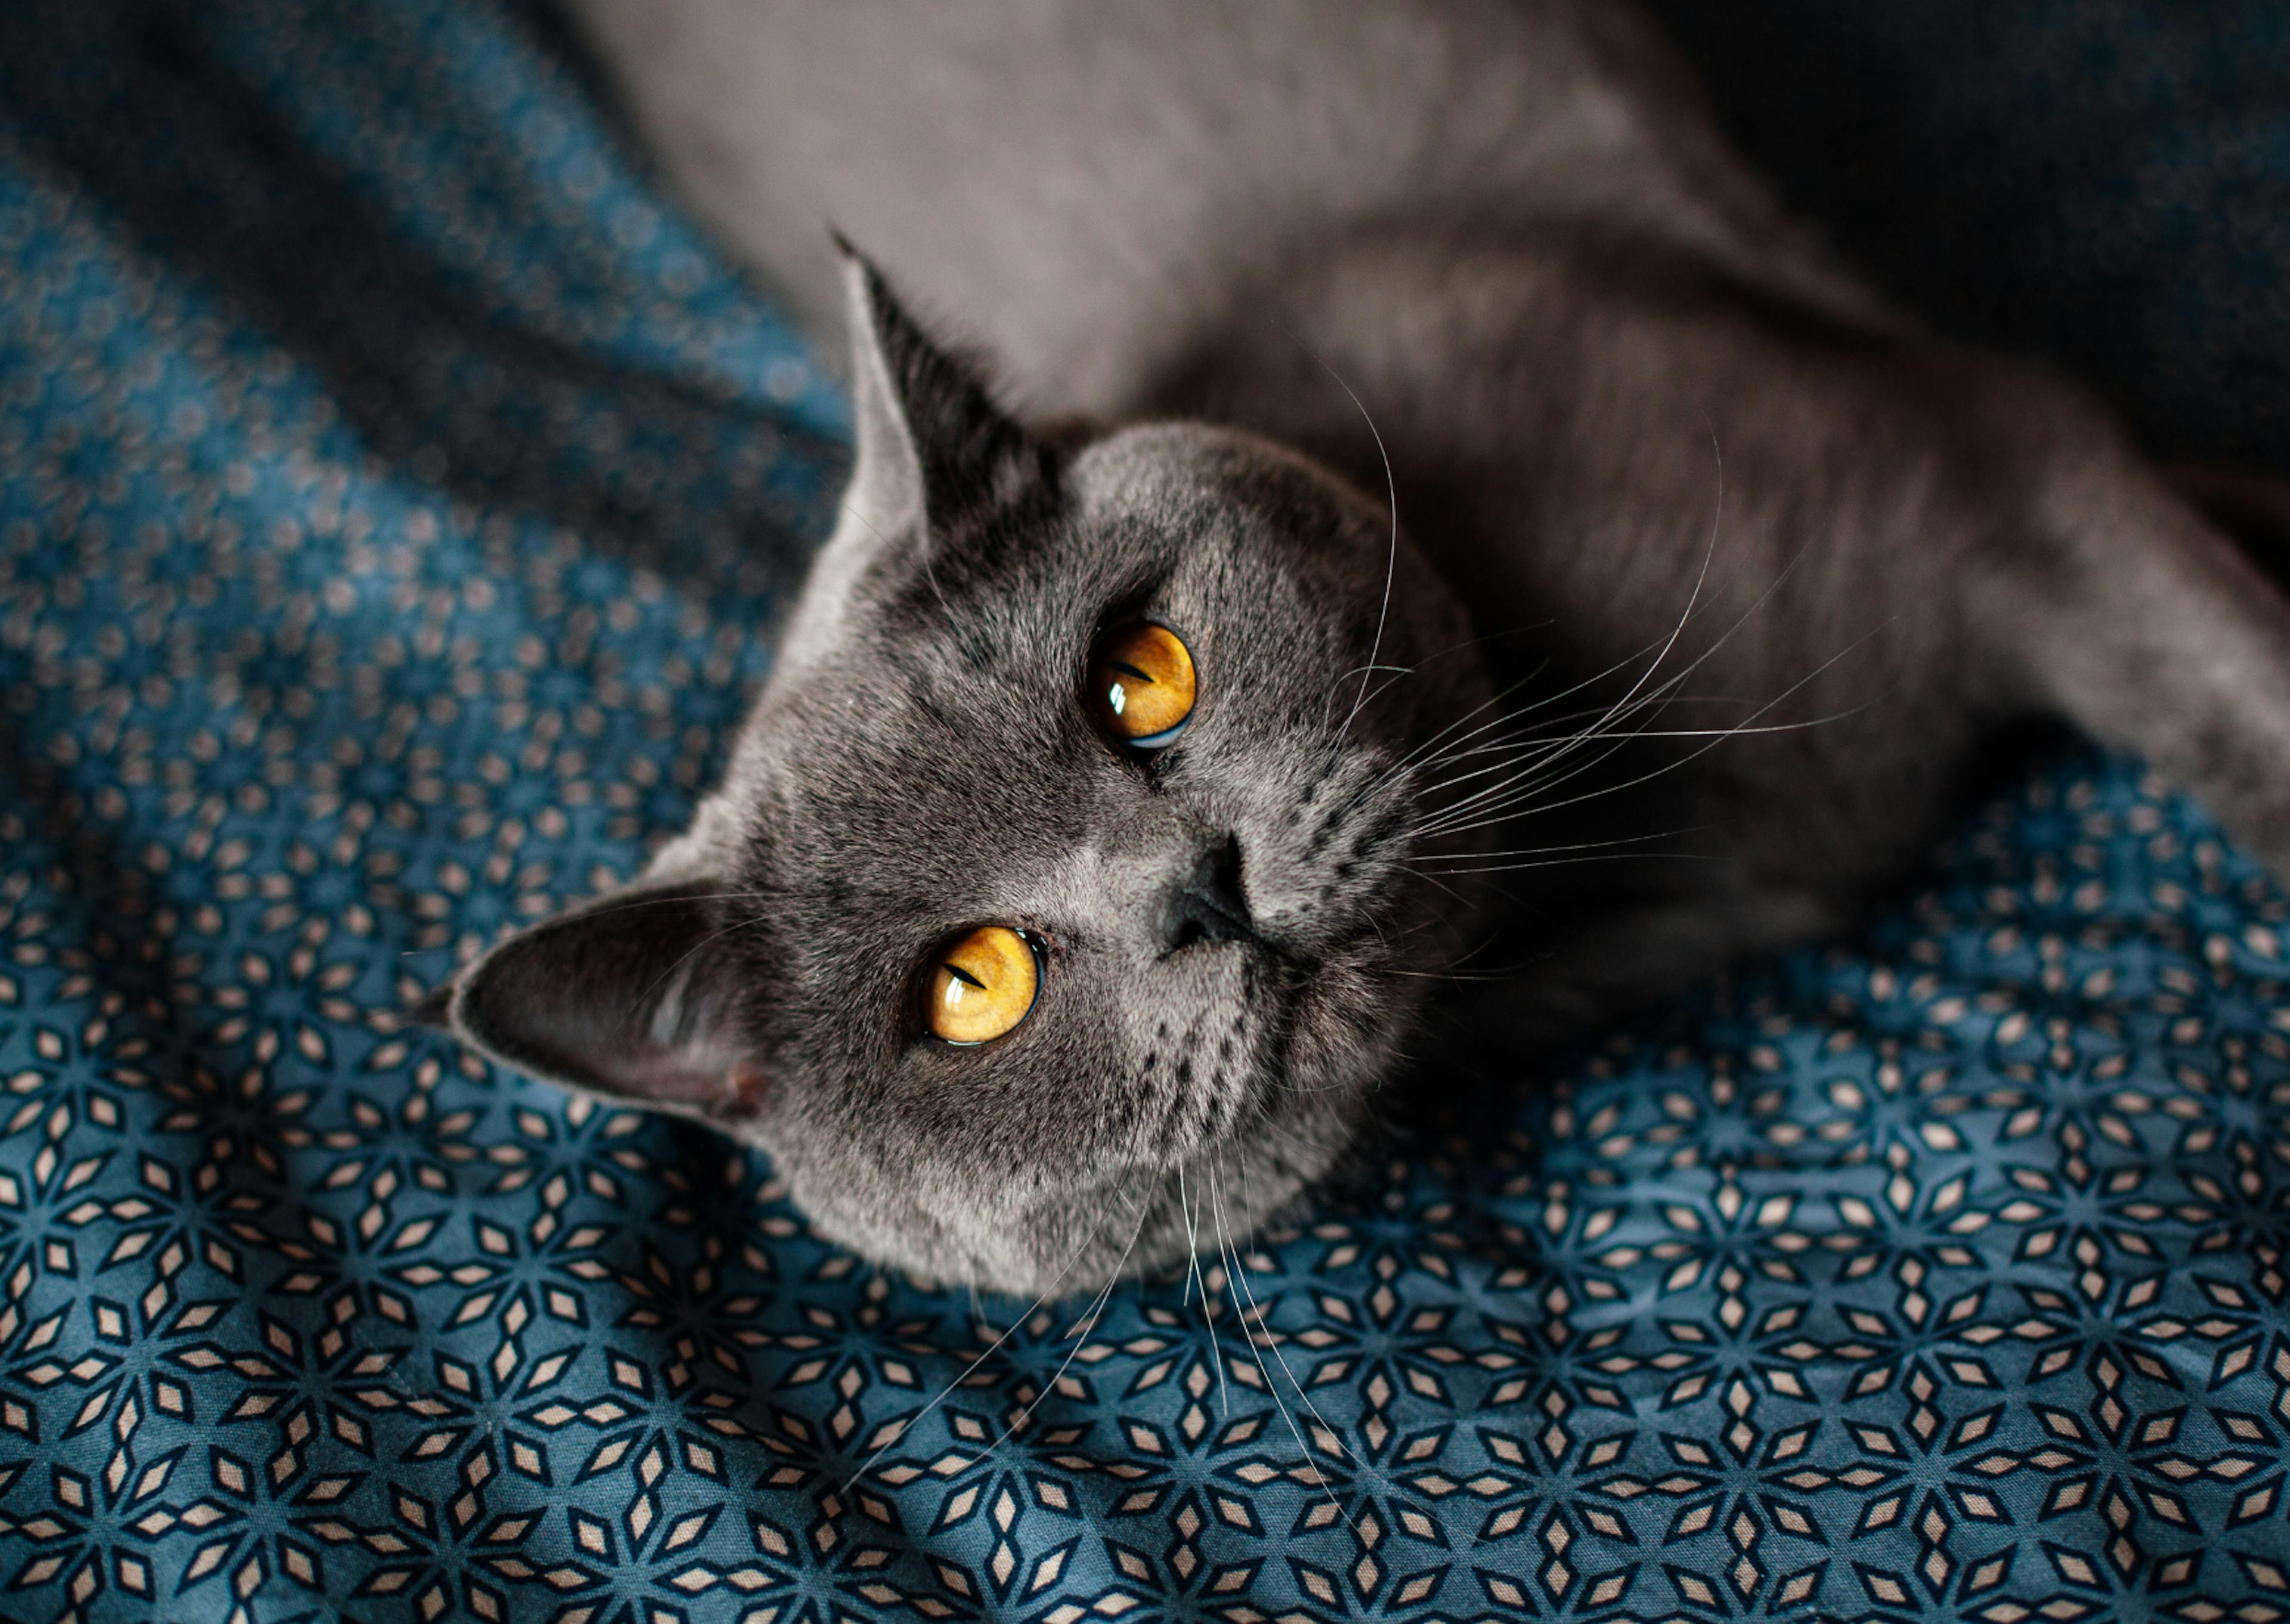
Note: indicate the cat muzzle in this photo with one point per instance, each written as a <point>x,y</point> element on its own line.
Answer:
<point>1208,904</point>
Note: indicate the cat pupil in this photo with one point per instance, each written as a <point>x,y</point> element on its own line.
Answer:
<point>984,985</point>
<point>1146,675</point>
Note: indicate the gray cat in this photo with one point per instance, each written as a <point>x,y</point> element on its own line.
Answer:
<point>1460,539</point>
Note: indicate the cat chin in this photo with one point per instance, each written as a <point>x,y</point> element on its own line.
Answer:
<point>1068,1232</point>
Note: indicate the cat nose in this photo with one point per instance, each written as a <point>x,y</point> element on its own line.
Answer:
<point>1206,903</point>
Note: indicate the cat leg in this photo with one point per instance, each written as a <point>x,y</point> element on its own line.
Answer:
<point>2129,614</point>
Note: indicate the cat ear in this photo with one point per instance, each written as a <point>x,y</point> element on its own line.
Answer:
<point>933,449</point>
<point>633,997</point>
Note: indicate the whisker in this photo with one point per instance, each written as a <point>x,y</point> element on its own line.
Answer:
<point>1693,755</point>
<point>1432,658</point>
<point>1085,1328</point>
<point>1404,761</point>
<point>1208,1311</point>
<point>1302,1397</point>
<point>1392,558</point>
<point>1568,862</point>
<point>710,896</point>
<point>1461,900</point>
<point>1193,1261</point>
<point>929,571</point>
<point>1580,845</point>
<point>1530,734</point>
<point>1502,719</point>
<point>1524,784</point>
<point>1216,1192</point>
<point>686,956</point>
<point>1607,714</point>
<point>601,908</point>
<point>906,1424</point>
<point>1271,1387</point>
<point>1710,552</point>
<point>1499,811</point>
<point>1540,761</point>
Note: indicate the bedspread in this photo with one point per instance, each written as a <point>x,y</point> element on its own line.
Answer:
<point>393,489</point>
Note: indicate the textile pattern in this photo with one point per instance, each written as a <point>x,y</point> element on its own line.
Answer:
<point>395,491</point>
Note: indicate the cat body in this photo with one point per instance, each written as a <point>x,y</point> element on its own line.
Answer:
<point>1589,584</point>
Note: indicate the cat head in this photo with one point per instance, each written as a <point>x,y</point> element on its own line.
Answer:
<point>1055,916</point>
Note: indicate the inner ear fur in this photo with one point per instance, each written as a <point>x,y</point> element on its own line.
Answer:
<point>638,997</point>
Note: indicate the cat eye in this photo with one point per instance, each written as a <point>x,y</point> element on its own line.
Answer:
<point>1141,681</point>
<point>983,985</point>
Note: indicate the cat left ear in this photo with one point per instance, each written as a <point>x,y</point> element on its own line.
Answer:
<point>634,997</point>
<point>933,449</point>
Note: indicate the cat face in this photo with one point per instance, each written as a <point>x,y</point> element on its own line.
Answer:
<point>1056,916</point>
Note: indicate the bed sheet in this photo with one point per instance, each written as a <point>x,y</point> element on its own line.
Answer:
<point>394,490</point>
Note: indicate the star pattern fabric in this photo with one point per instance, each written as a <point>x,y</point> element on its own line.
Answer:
<point>395,495</point>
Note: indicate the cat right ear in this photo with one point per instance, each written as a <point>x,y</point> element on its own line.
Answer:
<point>934,451</point>
<point>639,997</point>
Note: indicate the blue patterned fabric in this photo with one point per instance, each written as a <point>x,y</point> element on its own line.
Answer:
<point>392,490</point>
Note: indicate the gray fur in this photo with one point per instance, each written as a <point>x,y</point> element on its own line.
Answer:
<point>1757,566</point>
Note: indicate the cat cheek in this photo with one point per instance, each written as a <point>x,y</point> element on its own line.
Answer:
<point>1345,1027</point>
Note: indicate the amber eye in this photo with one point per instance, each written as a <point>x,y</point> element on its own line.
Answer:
<point>1141,681</point>
<point>982,985</point>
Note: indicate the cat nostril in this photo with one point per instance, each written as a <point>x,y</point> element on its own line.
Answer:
<point>1207,903</point>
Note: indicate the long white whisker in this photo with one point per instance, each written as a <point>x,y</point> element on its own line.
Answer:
<point>1499,811</point>
<point>1302,1397</point>
<point>1630,700</point>
<point>705,896</point>
<point>1657,695</point>
<point>1208,1316</point>
<point>1515,745</point>
<point>1528,774</point>
<point>1568,862</point>
<point>1192,1243</point>
<point>1271,1387</point>
<point>1216,1195</point>
<point>1582,846</point>
<point>1084,1329</point>
<point>906,1424</point>
<point>1392,558</point>
<point>1693,756</point>
<point>691,952</point>
<point>1193,1259</point>
<point>1504,719</point>
<point>1708,554</point>
<point>1453,648</point>
<point>1536,773</point>
<point>1402,764</point>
